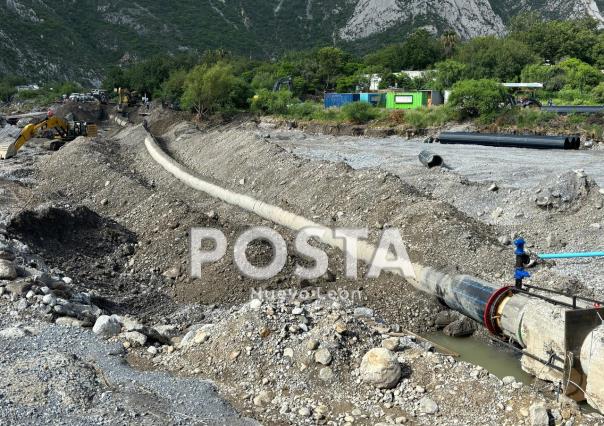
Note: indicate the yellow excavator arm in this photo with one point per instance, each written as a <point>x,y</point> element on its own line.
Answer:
<point>9,149</point>
<point>31,130</point>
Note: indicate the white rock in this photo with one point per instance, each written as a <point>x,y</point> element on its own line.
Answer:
<point>7,270</point>
<point>152,350</point>
<point>67,280</point>
<point>508,380</point>
<point>391,343</point>
<point>304,412</point>
<point>69,322</point>
<point>288,352</point>
<point>13,333</point>
<point>297,311</point>
<point>263,398</point>
<point>380,368</point>
<point>107,326</point>
<point>497,213</point>
<point>538,415</point>
<point>363,312</point>
<point>322,356</point>
<point>135,338</point>
<point>49,299</point>
<point>326,374</point>
<point>427,406</point>
<point>255,304</point>
<point>167,331</point>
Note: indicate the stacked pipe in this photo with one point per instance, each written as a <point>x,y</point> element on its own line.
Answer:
<point>512,141</point>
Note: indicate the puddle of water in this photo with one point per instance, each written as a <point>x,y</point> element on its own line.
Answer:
<point>497,360</point>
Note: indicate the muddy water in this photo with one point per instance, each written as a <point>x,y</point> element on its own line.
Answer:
<point>499,361</point>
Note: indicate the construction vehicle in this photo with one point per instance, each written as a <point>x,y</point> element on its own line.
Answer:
<point>283,82</point>
<point>523,95</point>
<point>101,96</point>
<point>125,99</point>
<point>52,127</point>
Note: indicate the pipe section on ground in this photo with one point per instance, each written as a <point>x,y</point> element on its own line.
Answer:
<point>510,141</point>
<point>577,109</point>
<point>429,159</point>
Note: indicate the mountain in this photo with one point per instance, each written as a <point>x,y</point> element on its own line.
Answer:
<point>77,39</point>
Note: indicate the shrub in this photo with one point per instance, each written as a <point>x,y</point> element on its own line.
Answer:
<point>580,75</point>
<point>598,93</point>
<point>268,102</point>
<point>430,117</point>
<point>305,110</point>
<point>475,98</point>
<point>359,112</point>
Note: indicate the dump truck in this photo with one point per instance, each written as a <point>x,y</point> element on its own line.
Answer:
<point>56,128</point>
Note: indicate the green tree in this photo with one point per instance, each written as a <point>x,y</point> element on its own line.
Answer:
<point>553,77</point>
<point>475,98</point>
<point>447,73</point>
<point>449,40</point>
<point>330,61</point>
<point>418,52</point>
<point>173,88</point>
<point>555,40</point>
<point>580,75</point>
<point>263,80</point>
<point>421,50</point>
<point>210,89</point>
<point>495,58</point>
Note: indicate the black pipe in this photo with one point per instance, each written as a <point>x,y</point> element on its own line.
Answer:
<point>506,140</point>
<point>429,159</point>
<point>462,293</point>
<point>577,109</point>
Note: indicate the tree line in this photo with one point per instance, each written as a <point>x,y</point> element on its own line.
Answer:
<point>566,56</point>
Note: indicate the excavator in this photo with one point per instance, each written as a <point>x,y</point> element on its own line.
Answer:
<point>126,98</point>
<point>65,132</point>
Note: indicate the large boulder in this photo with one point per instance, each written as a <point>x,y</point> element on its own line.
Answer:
<point>107,326</point>
<point>460,328</point>
<point>380,368</point>
<point>538,415</point>
<point>7,270</point>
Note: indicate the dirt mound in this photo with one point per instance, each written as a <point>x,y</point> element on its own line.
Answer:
<point>65,233</point>
<point>568,192</point>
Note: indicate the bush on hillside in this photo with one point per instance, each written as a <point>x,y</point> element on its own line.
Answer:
<point>474,98</point>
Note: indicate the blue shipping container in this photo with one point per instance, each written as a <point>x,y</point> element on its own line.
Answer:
<point>340,99</point>
<point>371,98</point>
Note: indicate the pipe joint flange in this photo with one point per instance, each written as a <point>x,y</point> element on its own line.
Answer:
<point>490,318</point>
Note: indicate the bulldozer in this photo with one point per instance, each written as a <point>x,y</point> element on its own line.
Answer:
<point>56,128</point>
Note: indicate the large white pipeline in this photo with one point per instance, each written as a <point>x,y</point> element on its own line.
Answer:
<point>535,324</point>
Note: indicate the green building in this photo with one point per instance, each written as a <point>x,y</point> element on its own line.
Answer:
<point>407,100</point>
<point>413,100</point>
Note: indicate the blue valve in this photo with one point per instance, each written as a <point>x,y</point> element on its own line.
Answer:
<point>519,243</point>
<point>521,259</point>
